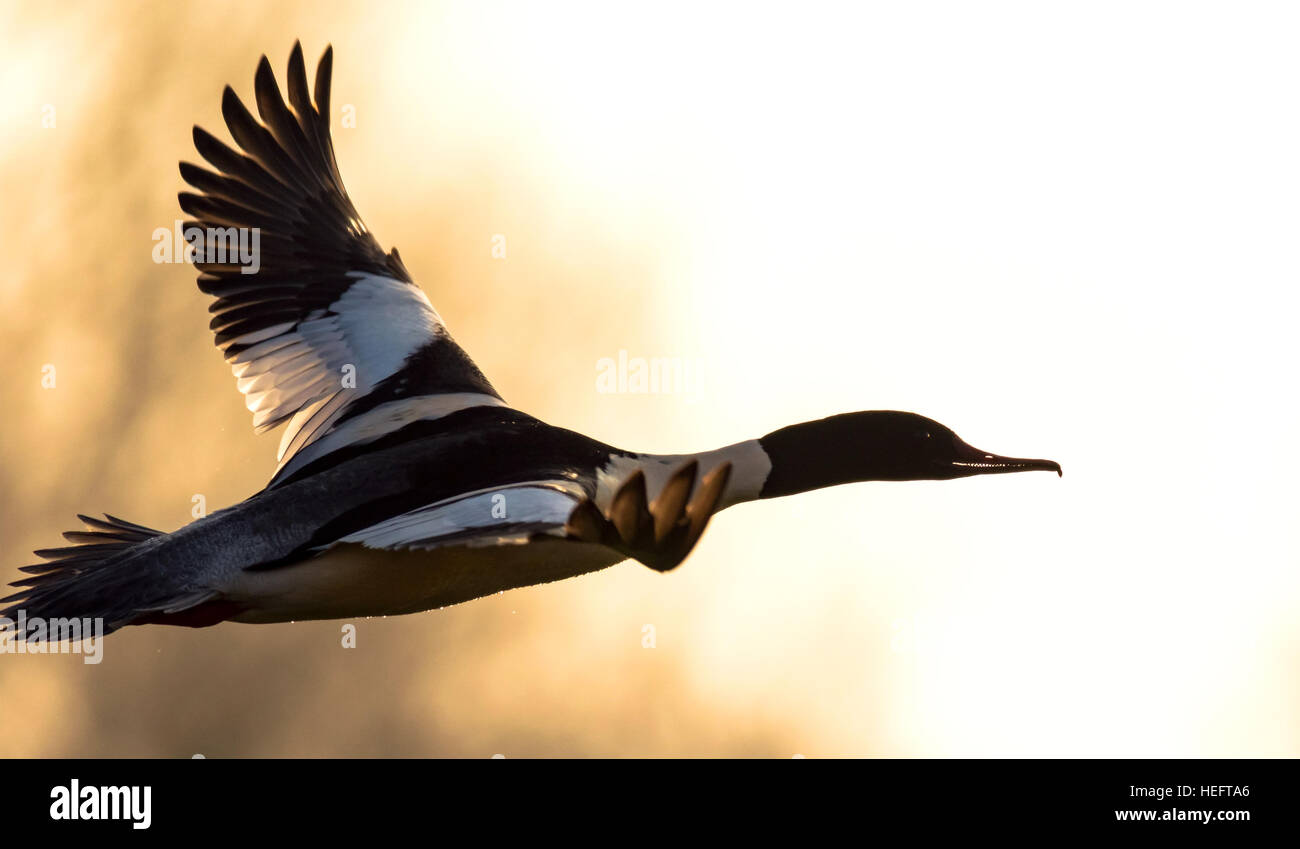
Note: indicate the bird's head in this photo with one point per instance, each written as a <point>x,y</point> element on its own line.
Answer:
<point>877,445</point>
<point>906,446</point>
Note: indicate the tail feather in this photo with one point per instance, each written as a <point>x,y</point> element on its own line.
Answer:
<point>81,580</point>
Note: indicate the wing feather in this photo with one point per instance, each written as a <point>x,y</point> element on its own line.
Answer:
<point>309,292</point>
<point>497,516</point>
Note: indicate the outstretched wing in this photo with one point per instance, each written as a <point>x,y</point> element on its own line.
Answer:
<point>322,329</point>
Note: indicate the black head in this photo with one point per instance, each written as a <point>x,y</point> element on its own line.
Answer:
<point>879,445</point>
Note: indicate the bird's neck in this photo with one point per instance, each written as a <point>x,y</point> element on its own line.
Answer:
<point>810,455</point>
<point>750,467</point>
<point>827,452</point>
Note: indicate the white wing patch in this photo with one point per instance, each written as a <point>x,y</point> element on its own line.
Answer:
<point>373,327</point>
<point>499,516</point>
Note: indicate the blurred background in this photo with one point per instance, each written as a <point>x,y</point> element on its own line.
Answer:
<point>1066,232</point>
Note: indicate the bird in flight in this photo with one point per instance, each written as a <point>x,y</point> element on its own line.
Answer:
<point>405,481</point>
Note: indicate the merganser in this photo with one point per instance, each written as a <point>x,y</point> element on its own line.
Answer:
<point>405,481</point>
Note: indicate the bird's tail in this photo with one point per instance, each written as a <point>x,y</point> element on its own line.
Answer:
<point>107,575</point>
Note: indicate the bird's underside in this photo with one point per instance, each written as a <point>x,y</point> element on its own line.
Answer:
<point>530,533</point>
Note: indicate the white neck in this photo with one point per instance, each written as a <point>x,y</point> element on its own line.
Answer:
<point>750,466</point>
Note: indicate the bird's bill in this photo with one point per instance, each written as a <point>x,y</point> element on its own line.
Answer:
<point>972,461</point>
